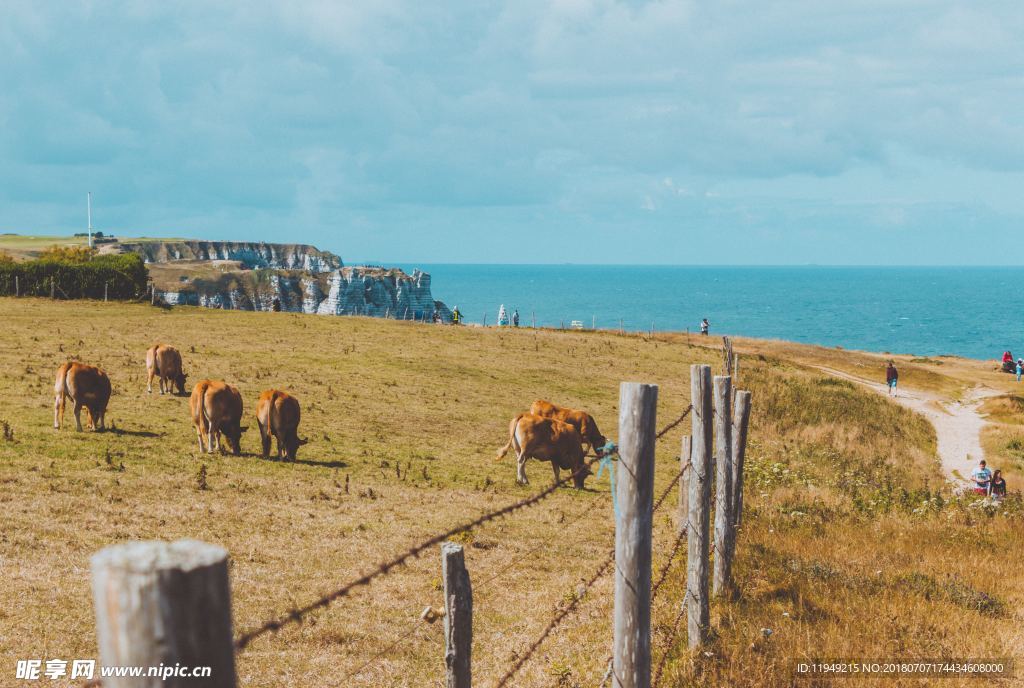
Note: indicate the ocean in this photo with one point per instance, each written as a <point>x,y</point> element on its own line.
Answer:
<point>926,311</point>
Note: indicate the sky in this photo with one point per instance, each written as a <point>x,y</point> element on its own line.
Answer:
<point>557,131</point>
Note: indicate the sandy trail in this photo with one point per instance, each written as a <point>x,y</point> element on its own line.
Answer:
<point>957,423</point>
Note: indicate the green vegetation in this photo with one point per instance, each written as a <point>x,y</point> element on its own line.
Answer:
<point>75,272</point>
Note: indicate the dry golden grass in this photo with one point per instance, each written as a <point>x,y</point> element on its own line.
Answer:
<point>848,530</point>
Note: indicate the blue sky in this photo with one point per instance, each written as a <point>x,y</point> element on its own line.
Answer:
<point>584,131</point>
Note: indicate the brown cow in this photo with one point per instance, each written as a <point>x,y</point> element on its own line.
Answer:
<point>217,408</point>
<point>164,361</point>
<point>277,414</point>
<point>88,387</point>
<point>546,439</point>
<point>581,420</point>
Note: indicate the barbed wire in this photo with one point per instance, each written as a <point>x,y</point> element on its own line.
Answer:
<point>663,574</point>
<point>297,615</point>
<point>670,643</point>
<point>668,489</point>
<point>557,619</point>
<point>665,430</point>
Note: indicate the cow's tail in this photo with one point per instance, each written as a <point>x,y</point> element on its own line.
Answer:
<point>511,438</point>
<point>60,393</point>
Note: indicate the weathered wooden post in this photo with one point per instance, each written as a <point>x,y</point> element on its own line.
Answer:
<point>684,486</point>
<point>739,450</point>
<point>53,287</point>
<point>458,617</point>
<point>533,316</point>
<point>17,287</point>
<point>725,527</point>
<point>631,657</point>
<point>698,612</point>
<point>164,604</point>
<point>736,368</point>
<point>106,286</point>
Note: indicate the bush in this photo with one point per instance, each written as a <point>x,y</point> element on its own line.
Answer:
<point>124,275</point>
<point>68,254</point>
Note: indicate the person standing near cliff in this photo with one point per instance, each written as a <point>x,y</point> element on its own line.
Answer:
<point>704,327</point>
<point>515,318</point>
<point>456,316</point>
<point>892,377</point>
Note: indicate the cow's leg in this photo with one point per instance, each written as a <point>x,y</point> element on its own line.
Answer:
<point>149,382</point>
<point>78,415</point>
<point>280,446</point>
<point>554,469</point>
<point>199,434</point>
<point>265,439</point>
<point>212,437</point>
<point>58,410</point>
<point>521,469</point>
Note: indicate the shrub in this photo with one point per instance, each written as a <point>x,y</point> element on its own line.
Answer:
<point>124,275</point>
<point>68,254</point>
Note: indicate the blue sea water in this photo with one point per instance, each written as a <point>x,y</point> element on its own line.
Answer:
<point>974,312</point>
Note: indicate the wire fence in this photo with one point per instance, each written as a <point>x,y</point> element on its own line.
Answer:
<point>298,615</point>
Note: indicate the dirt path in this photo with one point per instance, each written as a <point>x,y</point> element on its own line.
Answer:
<point>957,423</point>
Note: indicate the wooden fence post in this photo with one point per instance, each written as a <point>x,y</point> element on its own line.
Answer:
<point>458,617</point>
<point>17,287</point>
<point>684,486</point>
<point>533,316</point>
<point>739,450</point>
<point>725,527</point>
<point>164,604</point>
<point>698,612</point>
<point>736,368</point>
<point>106,286</point>
<point>631,659</point>
<point>53,287</point>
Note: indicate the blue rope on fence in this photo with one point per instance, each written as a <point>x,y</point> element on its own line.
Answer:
<point>609,453</point>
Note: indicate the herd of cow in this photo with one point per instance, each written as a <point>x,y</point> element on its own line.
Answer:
<point>216,406</point>
<point>547,432</point>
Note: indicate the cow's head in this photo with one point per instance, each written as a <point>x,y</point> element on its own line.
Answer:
<point>580,473</point>
<point>292,445</point>
<point>179,382</point>
<point>592,435</point>
<point>233,435</point>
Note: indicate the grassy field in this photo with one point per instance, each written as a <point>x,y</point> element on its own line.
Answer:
<point>852,546</point>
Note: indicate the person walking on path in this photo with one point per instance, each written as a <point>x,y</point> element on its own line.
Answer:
<point>997,488</point>
<point>704,326</point>
<point>892,378</point>
<point>1020,368</point>
<point>456,316</point>
<point>982,478</point>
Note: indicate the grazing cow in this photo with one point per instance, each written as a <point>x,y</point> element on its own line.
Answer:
<point>581,420</point>
<point>88,387</point>
<point>165,362</point>
<point>546,439</point>
<point>217,408</point>
<point>277,414</point>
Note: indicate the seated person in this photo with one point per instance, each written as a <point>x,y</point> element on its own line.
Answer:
<point>981,477</point>
<point>998,485</point>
